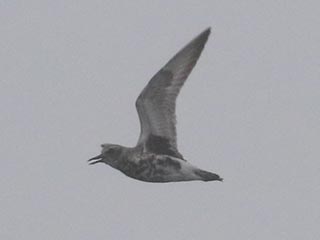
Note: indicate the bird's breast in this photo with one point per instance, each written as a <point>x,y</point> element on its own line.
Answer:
<point>156,168</point>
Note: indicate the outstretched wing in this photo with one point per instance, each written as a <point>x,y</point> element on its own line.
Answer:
<point>157,102</point>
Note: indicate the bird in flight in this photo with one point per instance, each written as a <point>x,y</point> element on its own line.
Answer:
<point>156,158</point>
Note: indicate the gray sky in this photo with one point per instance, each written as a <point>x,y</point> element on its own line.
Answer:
<point>70,72</point>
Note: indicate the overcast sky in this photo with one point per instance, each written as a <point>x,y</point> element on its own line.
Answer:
<point>70,72</point>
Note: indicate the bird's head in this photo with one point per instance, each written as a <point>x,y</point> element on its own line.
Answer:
<point>109,154</point>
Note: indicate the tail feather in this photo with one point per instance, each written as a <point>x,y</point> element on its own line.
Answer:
<point>208,176</point>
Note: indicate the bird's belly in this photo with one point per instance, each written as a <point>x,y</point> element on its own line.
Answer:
<point>161,168</point>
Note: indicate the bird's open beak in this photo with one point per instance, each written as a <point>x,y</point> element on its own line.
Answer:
<point>97,158</point>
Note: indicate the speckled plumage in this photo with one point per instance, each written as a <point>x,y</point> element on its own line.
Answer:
<point>156,158</point>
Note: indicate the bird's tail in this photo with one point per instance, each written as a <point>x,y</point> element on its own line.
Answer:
<point>208,176</point>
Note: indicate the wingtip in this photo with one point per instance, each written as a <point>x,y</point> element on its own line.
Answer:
<point>203,36</point>
<point>207,31</point>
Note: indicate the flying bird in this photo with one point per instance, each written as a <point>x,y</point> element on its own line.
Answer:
<point>156,158</point>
